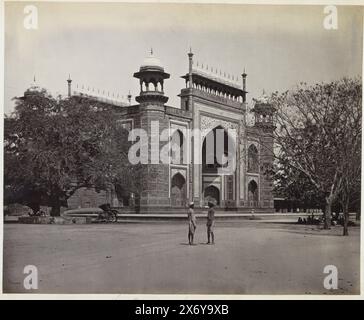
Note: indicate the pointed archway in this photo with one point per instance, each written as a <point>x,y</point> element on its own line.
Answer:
<point>212,193</point>
<point>215,150</point>
<point>178,190</point>
<point>253,193</point>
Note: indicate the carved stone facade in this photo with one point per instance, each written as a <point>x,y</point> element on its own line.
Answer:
<point>208,123</point>
<point>207,104</point>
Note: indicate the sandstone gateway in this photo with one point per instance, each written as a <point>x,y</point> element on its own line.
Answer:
<point>210,101</point>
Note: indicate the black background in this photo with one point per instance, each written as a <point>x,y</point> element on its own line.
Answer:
<point>238,309</point>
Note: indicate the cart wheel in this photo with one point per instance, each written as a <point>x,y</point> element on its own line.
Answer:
<point>114,216</point>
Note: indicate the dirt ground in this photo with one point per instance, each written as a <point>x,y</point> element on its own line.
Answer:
<point>249,257</point>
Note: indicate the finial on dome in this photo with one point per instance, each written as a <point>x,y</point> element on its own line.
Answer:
<point>34,84</point>
<point>151,61</point>
<point>264,98</point>
<point>33,88</point>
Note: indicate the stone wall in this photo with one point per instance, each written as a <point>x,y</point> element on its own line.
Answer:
<point>155,177</point>
<point>87,198</point>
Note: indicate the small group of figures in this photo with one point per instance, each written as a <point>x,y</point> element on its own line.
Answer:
<point>192,223</point>
<point>108,214</point>
<point>39,213</point>
<point>310,220</point>
<point>336,219</point>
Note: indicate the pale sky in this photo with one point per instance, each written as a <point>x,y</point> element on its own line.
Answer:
<point>102,44</point>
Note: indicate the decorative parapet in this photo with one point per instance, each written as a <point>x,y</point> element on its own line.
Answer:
<point>214,98</point>
<point>218,76</point>
<point>102,96</point>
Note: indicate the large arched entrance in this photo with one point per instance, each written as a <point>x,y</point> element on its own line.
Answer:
<point>253,195</point>
<point>178,190</point>
<point>212,193</point>
<point>215,150</point>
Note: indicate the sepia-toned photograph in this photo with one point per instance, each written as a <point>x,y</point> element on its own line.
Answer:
<point>181,148</point>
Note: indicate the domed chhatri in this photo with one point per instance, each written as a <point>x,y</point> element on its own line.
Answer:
<point>151,77</point>
<point>264,98</point>
<point>263,111</point>
<point>33,89</point>
<point>34,86</point>
<point>151,62</point>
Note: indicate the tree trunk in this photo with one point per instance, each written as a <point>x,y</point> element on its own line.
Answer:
<point>55,207</point>
<point>327,220</point>
<point>34,206</point>
<point>346,218</point>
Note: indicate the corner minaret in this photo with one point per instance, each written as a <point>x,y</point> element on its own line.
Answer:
<point>151,77</point>
<point>190,83</point>
<point>244,86</point>
<point>69,82</point>
<point>264,127</point>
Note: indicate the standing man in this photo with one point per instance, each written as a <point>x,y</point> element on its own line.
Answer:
<point>210,223</point>
<point>191,223</point>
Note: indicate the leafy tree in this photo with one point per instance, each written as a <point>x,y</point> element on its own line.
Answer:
<point>313,124</point>
<point>292,184</point>
<point>348,151</point>
<point>53,147</point>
